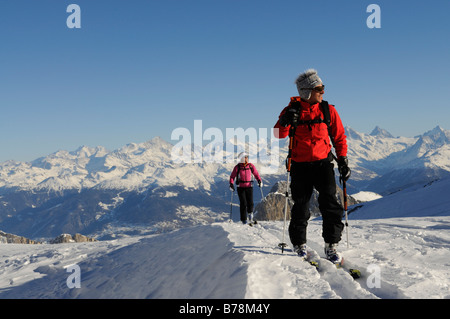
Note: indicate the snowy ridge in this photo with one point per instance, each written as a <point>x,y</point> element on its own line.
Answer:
<point>234,261</point>
<point>403,257</point>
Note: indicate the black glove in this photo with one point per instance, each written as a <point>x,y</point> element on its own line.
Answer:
<point>343,168</point>
<point>289,117</point>
<point>232,187</point>
<point>260,183</point>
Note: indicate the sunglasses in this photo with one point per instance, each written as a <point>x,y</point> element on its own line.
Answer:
<point>317,88</point>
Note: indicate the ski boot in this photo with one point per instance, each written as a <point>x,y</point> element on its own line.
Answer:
<point>301,250</point>
<point>332,255</point>
<point>251,220</point>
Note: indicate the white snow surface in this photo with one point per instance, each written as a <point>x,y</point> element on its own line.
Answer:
<point>365,196</point>
<point>409,257</point>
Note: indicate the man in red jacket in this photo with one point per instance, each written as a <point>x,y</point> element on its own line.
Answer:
<point>311,163</point>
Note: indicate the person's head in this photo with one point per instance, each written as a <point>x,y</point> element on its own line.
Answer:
<point>310,87</point>
<point>244,159</point>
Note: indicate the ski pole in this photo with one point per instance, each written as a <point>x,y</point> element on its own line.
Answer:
<point>231,206</point>
<point>262,195</point>
<point>283,244</point>
<point>288,167</point>
<point>344,186</point>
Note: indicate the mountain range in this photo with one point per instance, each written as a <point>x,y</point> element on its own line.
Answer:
<point>139,189</point>
<point>385,164</point>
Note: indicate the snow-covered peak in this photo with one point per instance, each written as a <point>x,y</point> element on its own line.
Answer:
<point>374,147</point>
<point>437,136</point>
<point>428,144</point>
<point>379,132</point>
<point>352,134</point>
<point>139,165</point>
<point>435,131</point>
<point>86,151</point>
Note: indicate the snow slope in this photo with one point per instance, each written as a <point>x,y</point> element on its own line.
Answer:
<point>231,260</point>
<point>400,242</point>
<point>428,200</point>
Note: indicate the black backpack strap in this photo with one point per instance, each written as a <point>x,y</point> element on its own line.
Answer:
<point>237,174</point>
<point>326,112</point>
<point>310,122</point>
<point>327,118</point>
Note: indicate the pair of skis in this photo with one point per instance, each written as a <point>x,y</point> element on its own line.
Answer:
<point>316,261</point>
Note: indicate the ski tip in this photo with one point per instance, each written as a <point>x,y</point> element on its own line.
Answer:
<point>355,273</point>
<point>338,264</point>
<point>315,264</point>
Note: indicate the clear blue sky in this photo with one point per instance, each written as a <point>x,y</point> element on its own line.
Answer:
<point>140,69</point>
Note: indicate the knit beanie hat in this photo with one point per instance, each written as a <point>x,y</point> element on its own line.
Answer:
<point>243,156</point>
<point>307,80</point>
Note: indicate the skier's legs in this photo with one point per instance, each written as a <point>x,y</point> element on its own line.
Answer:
<point>249,199</point>
<point>301,190</point>
<point>242,203</point>
<point>329,206</point>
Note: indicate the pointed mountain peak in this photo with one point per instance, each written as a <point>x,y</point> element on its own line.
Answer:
<point>159,141</point>
<point>437,135</point>
<point>378,131</point>
<point>351,133</point>
<point>86,151</point>
<point>436,131</point>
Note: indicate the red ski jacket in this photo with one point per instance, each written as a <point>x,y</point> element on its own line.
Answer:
<point>312,142</point>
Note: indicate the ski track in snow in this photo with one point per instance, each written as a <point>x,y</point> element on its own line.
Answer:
<point>235,261</point>
<point>273,274</point>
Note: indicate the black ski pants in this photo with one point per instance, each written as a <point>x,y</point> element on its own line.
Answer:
<point>305,177</point>
<point>246,201</point>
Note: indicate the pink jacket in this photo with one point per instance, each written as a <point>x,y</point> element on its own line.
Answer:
<point>245,174</point>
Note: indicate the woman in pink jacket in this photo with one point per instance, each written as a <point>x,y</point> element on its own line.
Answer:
<point>242,172</point>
